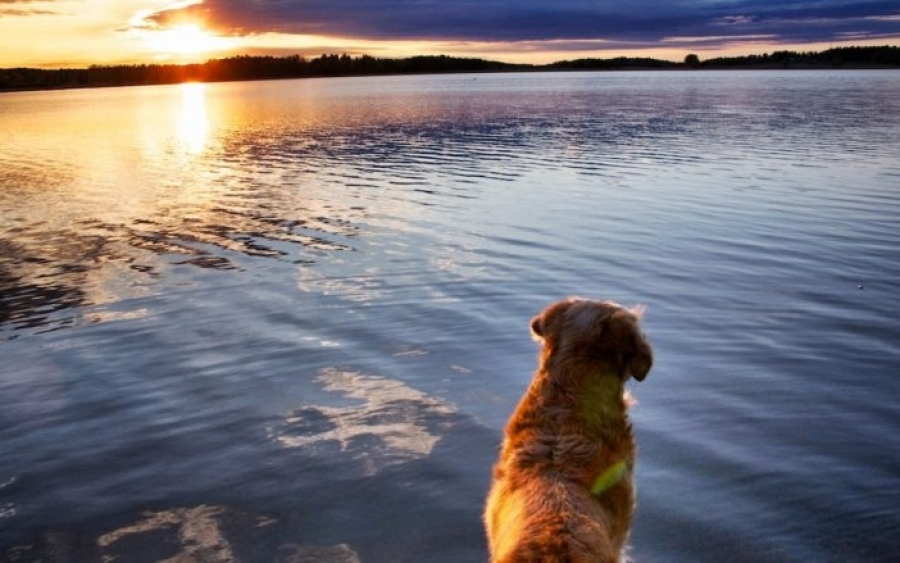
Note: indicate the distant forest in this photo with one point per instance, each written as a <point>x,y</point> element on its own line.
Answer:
<point>265,67</point>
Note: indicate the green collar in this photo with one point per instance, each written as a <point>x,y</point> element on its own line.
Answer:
<point>609,478</point>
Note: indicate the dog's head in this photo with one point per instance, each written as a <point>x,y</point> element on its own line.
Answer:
<point>595,330</point>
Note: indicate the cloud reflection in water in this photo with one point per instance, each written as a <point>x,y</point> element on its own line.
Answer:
<point>210,533</point>
<point>390,423</point>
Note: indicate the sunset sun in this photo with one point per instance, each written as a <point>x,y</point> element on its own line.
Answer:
<point>185,40</point>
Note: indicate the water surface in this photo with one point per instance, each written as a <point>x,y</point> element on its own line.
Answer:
<point>270,320</point>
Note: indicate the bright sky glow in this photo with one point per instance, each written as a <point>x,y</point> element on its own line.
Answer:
<point>183,40</point>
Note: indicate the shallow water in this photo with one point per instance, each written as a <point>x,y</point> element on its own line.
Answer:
<point>243,320</point>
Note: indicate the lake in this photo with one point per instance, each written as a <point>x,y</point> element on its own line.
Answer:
<point>287,320</point>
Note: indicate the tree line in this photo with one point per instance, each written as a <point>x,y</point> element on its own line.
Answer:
<point>243,67</point>
<point>839,57</point>
<point>267,67</point>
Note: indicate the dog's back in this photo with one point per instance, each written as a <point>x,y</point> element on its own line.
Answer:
<point>562,488</point>
<point>563,526</point>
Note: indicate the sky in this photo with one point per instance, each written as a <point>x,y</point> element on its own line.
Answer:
<point>77,33</point>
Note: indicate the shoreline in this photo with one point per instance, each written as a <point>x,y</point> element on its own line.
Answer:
<point>250,68</point>
<point>680,68</point>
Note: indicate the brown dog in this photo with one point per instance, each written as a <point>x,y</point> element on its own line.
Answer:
<point>562,489</point>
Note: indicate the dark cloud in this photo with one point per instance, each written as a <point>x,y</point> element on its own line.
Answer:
<point>637,22</point>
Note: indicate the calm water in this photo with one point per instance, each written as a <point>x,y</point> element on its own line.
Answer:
<point>273,320</point>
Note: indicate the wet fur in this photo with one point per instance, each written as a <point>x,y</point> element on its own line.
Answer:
<point>569,428</point>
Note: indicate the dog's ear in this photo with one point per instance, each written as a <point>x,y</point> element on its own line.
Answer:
<point>543,325</point>
<point>640,359</point>
<point>537,327</point>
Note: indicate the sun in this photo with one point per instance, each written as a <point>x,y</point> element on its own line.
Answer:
<point>188,40</point>
<point>185,40</point>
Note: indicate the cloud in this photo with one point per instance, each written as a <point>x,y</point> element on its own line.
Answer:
<point>429,19</point>
<point>14,12</point>
<point>635,23</point>
<point>24,11</point>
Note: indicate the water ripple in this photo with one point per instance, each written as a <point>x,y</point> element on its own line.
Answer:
<point>225,297</point>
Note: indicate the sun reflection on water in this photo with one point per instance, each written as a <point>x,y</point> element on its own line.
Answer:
<point>193,121</point>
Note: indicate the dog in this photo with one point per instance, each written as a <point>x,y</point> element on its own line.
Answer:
<point>562,488</point>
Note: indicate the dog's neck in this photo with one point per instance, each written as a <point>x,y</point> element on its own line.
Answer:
<point>601,401</point>
<point>594,392</point>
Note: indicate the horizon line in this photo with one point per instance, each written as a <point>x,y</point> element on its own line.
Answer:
<point>454,57</point>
